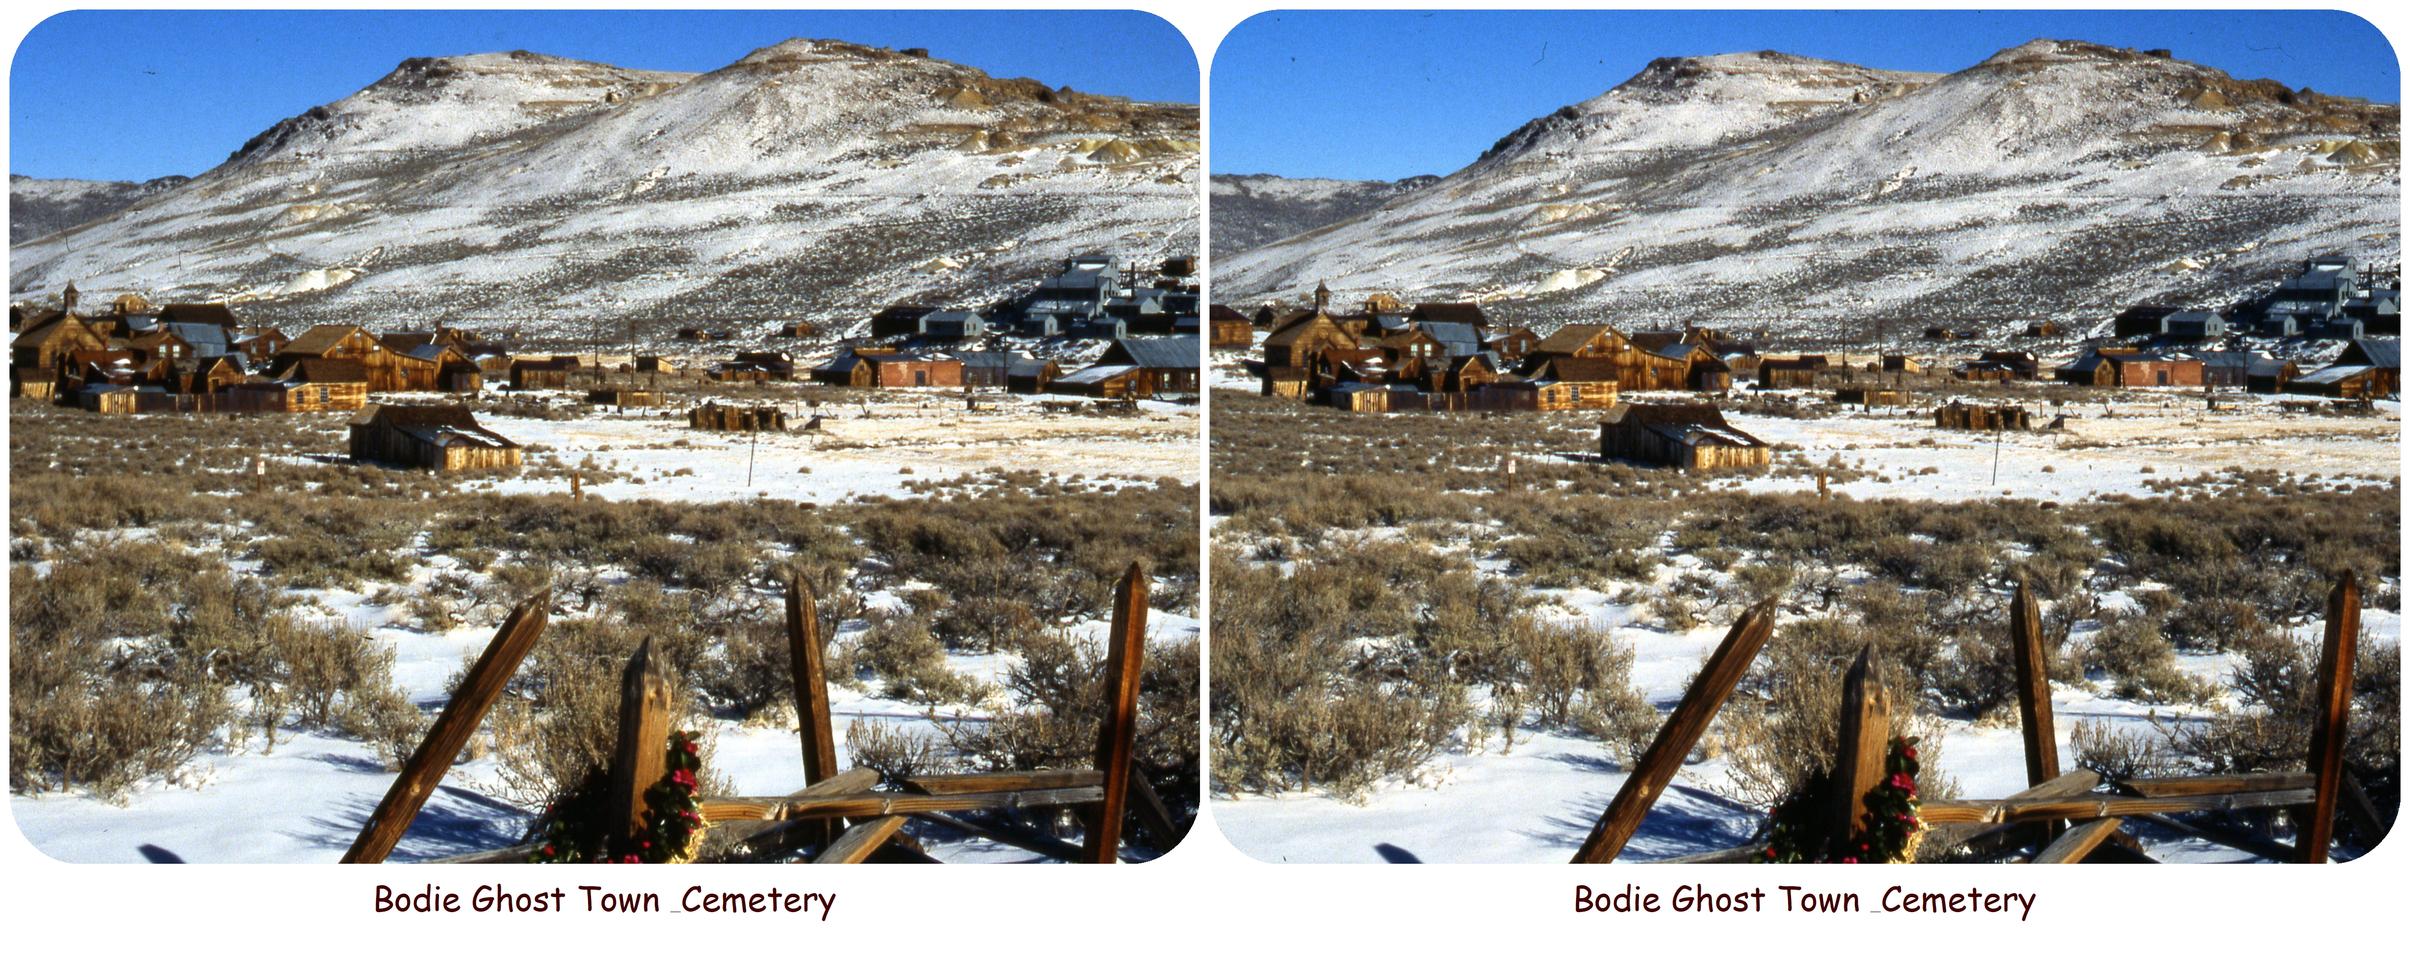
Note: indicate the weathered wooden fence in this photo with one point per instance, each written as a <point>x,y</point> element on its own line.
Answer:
<point>838,815</point>
<point>2067,818</point>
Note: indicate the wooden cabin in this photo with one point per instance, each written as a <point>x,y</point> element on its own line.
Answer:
<point>343,341</point>
<point>1107,382</point>
<point>1685,436</point>
<point>1981,418</point>
<point>624,397</point>
<point>1031,375</point>
<point>443,437</point>
<point>758,419</point>
<point>1870,397</point>
<point>295,396</point>
<point>1228,329</point>
<point>1170,364</point>
<point>1303,339</point>
<point>552,374</point>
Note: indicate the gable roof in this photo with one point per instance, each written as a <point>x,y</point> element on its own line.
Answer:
<point>317,340</point>
<point>1468,314</point>
<point>1572,336</point>
<point>1157,353</point>
<point>1461,339</point>
<point>214,314</point>
<point>2383,354</point>
<point>439,424</point>
<point>1690,423</point>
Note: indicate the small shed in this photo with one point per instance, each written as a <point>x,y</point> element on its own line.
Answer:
<point>1106,381</point>
<point>624,397</point>
<point>434,437</point>
<point>1686,436</point>
<point>1984,418</point>
<point>713,416</point>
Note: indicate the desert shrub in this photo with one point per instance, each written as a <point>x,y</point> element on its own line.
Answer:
<point>85,716</point>
<point>1978,675</point>
<point>2269,729</point>
<point>2140,662</point>
<point>1782,725</point>
<point>909,663</point>
<point>1298,706</point>
<point>896,751</point>
<point>2118,755</point>
<point>750,672</point>
<point>1578,675</point>
<point>558,720</point>
<point>1058,692</point>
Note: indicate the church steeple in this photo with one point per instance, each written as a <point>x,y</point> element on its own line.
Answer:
<point>70,296</point>
<point>1322,297</point>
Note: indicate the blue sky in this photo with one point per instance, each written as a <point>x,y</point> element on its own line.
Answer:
<point>1383,95</point>
<point>196,84</point>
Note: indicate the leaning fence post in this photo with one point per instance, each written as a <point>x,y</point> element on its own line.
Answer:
<point>2332,723</point>
<point>643,748</point>
<point>1682,729</point>
<point>2033,688</point>
<point>1865,743</point>
<point>426,766</point>
<point>1125,656</point>
<point>806,657</point>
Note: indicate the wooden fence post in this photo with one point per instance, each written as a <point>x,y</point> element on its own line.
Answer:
<point>1682,729</point>
<point>1125,656</point>
<point>2033,688</point>
<point>643,749</point>
<point>426,766</point>
<point>807,659</point>
<point>2333,721</point>
<point>1865,743</point>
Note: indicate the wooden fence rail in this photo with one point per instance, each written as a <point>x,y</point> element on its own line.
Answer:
<point>2061,812</point>
<point>816,816</point>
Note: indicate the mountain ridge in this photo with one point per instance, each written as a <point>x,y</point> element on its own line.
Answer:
<point>810,180</point>
<point>2052,180</point>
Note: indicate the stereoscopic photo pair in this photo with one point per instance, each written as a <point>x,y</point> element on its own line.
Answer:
<point>828,436</point>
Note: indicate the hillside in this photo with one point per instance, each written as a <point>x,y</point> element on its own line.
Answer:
<point>37,207</point>
<point>1253,209</point>
<point>555,199</point>
<point>1829,202</point>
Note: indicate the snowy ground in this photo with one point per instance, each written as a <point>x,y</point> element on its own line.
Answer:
<point>873,448</point>
<point>1536,801</point>
<point>304,799</point>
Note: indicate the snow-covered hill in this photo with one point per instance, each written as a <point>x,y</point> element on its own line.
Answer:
<point>38,206</point>
<point>1825,201</point>
<point>545,198</point>
<point>1253,209</point>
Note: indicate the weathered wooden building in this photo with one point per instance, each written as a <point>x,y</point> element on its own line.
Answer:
<point>1985,418</point>
<point>1301,340</point>
<point>548,374</point>
<point>714,416</point>
<point>1170,364</point>
<point>2247,370</point>
<point>1118,381</point>
<point>624,397</point>
<point>432,437</point>
<point>1687,436</point>
<point>1228,329</point>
